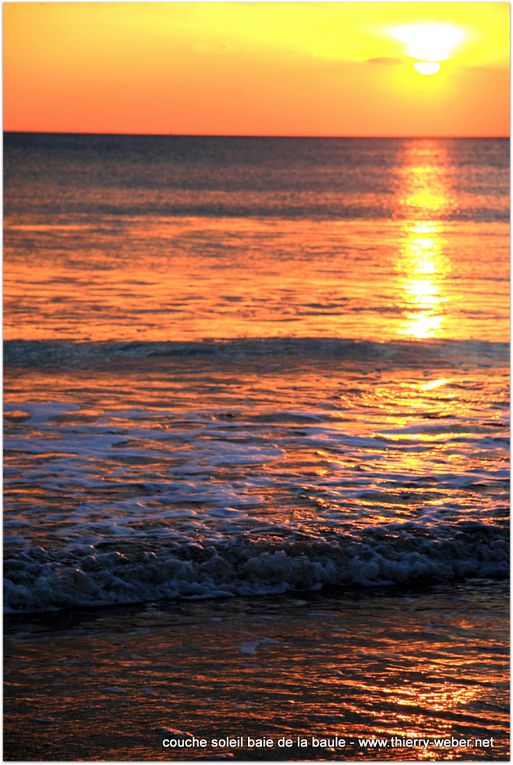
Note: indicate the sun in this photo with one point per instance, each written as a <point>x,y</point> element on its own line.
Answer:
<point>429,44</point>
<point>426,67</point>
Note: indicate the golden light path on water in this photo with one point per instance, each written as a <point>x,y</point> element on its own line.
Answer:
<point>422,262</point>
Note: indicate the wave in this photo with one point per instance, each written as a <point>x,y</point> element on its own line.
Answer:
<point>380,556</point>
<point>274,210</point>
<point>72,354</point>
<point>271,211</point>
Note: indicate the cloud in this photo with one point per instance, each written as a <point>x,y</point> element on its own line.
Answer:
<point>390,60</point>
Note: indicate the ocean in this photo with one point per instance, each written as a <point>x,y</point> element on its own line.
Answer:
<point>256,423</point>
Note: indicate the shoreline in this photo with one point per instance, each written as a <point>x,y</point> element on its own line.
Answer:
<point>111,685</point>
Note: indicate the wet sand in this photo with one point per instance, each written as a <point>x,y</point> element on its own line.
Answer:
<point>105,684</point>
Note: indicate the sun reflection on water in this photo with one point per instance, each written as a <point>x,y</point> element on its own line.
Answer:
<point>423,264</point>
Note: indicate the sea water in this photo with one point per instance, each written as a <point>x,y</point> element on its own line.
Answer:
<point>240,367</point>
<point>245,366</point>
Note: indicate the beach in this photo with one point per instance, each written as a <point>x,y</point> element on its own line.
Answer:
<point>113,685</point>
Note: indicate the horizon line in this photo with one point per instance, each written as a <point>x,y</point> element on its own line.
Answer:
<point>246,135</point>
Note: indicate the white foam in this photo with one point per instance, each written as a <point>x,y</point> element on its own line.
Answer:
<point>378,557</point>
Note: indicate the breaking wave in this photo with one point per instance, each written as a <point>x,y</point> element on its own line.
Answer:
<point>114,573</point>
<point>71,354</point>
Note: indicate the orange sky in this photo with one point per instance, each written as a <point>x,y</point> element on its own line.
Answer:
<point>253,68</point>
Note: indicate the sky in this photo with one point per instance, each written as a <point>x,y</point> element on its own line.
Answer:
<point>263,68</point>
